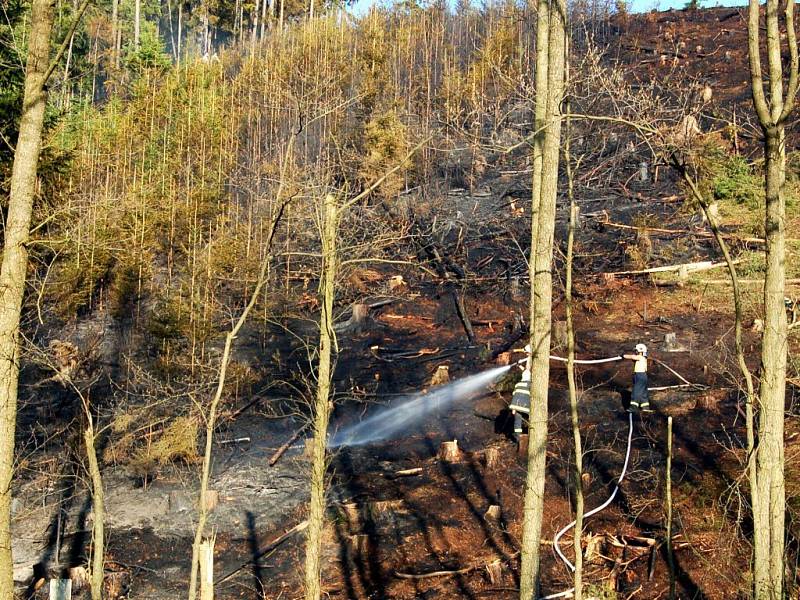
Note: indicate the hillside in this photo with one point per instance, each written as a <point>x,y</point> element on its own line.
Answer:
<point>166,199</point>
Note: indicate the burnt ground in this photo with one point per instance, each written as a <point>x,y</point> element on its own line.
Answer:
<point>426,535</point>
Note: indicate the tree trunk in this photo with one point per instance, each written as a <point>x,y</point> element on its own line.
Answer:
<point>137,17</point>
<point>770,459</point>
<point>573,392</point>
<point>115,33</point>
<point>15,263</point>
<point>327,339</point>
<point>773,110</point>
<point>203,504</point>
<point>98,508</point>
<point>550,84</point>
<point>207,570</point>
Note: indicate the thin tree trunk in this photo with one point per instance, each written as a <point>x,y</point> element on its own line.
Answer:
<point>172,31</point>
<point>668,490</point>
<point>738,311</point>
<point>541,261</point>
<point>98,508</point>
<point>137,17</point>
<point>211,416</point>
<point>15,263</point>
<point>573,393</point>
<point>537,431</point>
<point>254,32</point>
<point>180,28</point>
<point>114,33</point>
<point>327,339</point>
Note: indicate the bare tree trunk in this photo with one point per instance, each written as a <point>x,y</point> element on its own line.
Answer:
<point>768,490</point>
<point>137,17</point>
<point>668,492</point>
<point>327,339</point>
<point>211,416</point>
<point>98,508</point>
<point>537,430</point>
<point>172,32</point>
<point>180,28</point>
<point>770,459</point>
<point>15,263</point>
<point>738,311</point>
<point>254,32</point>
<point>573,392</point>
<point>115,33</point>
<point>541,284</point>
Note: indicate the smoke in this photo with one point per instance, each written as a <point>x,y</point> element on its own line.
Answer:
<point>409,410</point>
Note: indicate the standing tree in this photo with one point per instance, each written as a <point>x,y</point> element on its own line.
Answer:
<point>773,109</point>
<point>331,215</point>
<point>550,65</point>
<point>15,262</point>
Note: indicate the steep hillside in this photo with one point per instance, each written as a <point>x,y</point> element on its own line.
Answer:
<point>176,191</point>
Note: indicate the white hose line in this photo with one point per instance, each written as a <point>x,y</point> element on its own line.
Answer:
<point>595,361</point>
<point>592,512</point>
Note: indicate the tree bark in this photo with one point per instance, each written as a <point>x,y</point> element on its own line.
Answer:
<point>137,17</point>
<point>15,263</point>
<point>114,33</point>
<point>98,508</point>
<point>770,456</point>
<point>549,89</point>
<point>327,339</point>
<point>773,109</point>
<point>573,392</point>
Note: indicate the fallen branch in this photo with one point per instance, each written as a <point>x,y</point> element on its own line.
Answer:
<point>434,573</point>
<point>704,234</point>
<point>268,548</point>
<point>280,451</point>
<point>408,472</point>
<point>750,281</point>
<point>703,265</point>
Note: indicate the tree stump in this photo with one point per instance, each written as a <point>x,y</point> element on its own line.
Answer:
<point>396,282</point>
<point>522,449</point>
<point>449,452</point>
<point>491,457</point>
<point>441,376</point>
<point>594,549</point>
<point>492,513</point>
<point>206,560</point>
<point>360,543</point>
<point>494,571</point>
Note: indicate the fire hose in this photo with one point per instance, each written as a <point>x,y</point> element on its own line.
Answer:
<point>613,495</point>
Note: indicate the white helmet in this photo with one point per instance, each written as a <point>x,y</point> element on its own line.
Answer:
<point>641,349</point>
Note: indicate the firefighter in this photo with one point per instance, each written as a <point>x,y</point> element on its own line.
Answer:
<point>521,398</point>
<point>639,396</point>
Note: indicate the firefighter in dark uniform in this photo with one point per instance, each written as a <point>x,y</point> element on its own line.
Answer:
<point>521,397</point>
<point>640,399</point>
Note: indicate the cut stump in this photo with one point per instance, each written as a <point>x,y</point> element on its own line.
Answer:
<point>449,452</point>
<point>491,457</point>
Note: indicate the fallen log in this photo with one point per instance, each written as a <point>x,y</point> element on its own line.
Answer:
<point>280,451</point>
<point>703,265</point>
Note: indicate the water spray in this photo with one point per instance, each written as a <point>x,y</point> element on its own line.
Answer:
<point>408,410</point>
